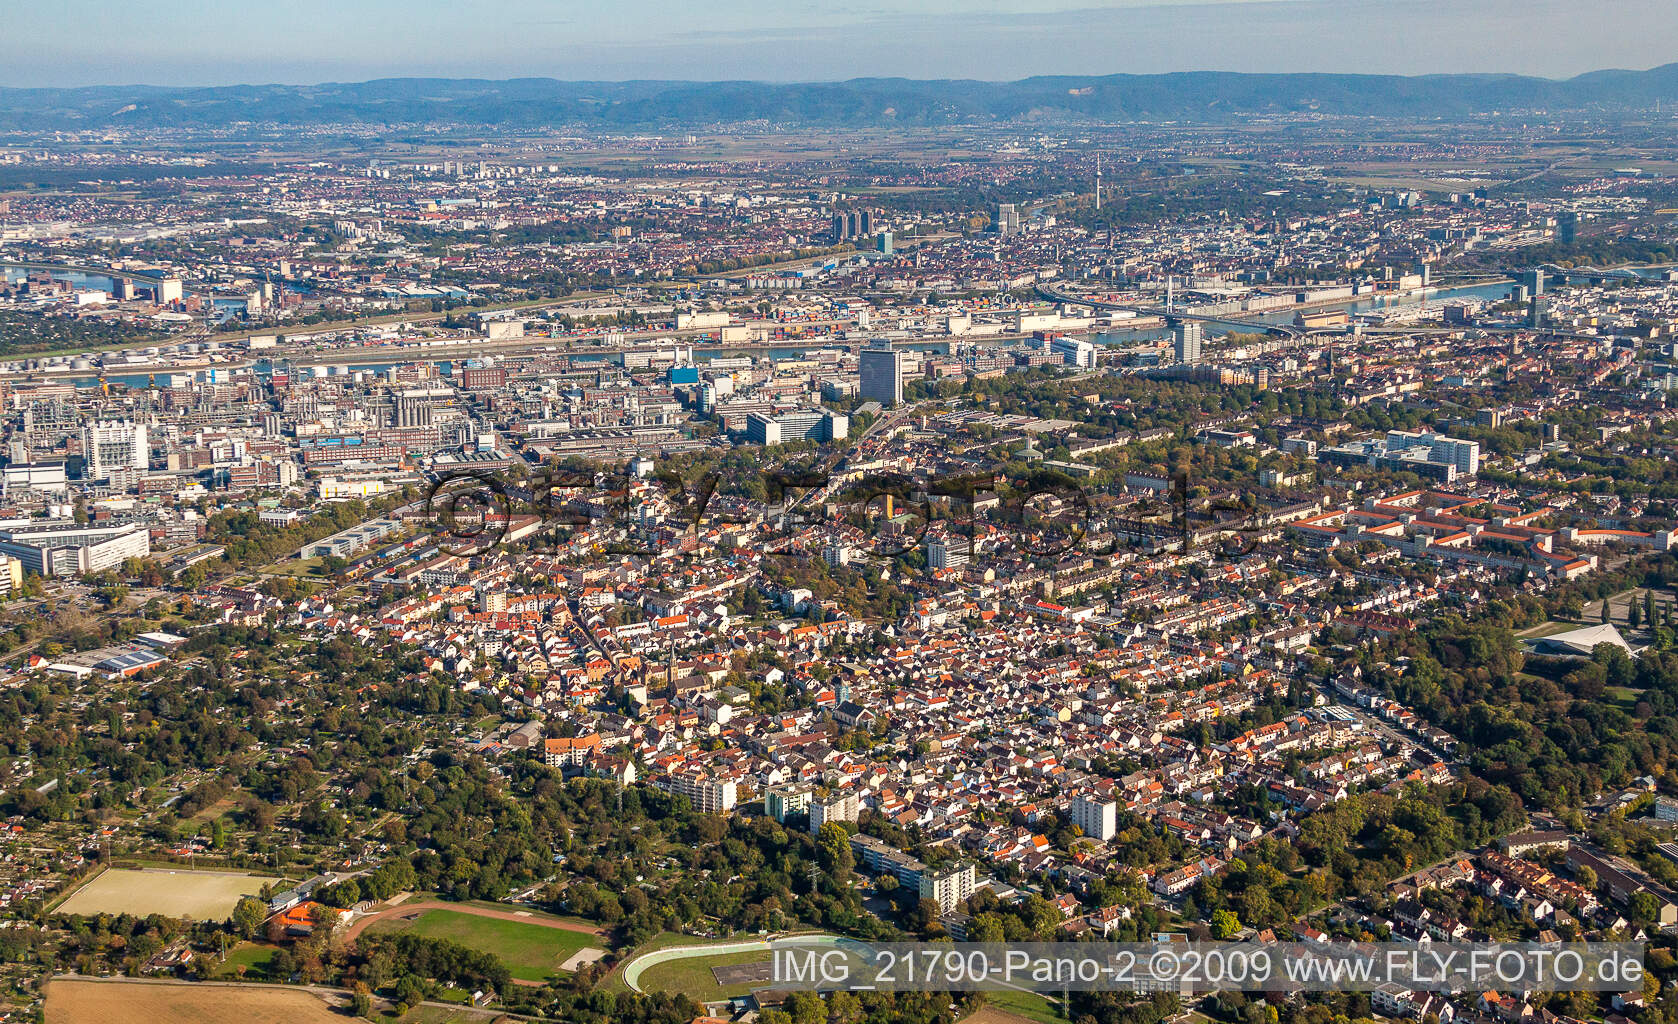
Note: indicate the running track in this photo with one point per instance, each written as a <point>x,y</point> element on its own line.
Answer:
<point>405,909</point>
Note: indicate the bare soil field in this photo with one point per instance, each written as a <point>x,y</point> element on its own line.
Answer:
<point>72,1001</point>
<point>200,895</point>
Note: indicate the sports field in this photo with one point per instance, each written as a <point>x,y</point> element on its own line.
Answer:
<point>200,895</point>
<point>532,952</point>
<point>71,1001</point>
<point>702,978</point>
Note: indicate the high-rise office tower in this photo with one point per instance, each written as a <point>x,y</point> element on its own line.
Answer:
<point>1007,219</point>
<point>1185,338</point>
<point>1567,228</point>
<point>882,373</point>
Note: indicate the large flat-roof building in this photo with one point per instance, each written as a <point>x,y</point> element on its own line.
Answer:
<point>355,539</point>
<point>946,886</point>
<point>44,477</point>
<point>1426,454</point>
<point>797,425</point>
<point>64,547</point>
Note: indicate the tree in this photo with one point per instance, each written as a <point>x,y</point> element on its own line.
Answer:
<point>923,916</point>
<point>410,990</point>
<point>1224,924</point>
<point>833,851</point>
<point>248,916</point>
<point>350,892</point>
<point>1644,907</point>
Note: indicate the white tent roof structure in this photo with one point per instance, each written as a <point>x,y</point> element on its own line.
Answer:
<point>1579,643</point>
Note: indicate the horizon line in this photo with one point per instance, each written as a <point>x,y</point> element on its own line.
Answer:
<point>835,81</point>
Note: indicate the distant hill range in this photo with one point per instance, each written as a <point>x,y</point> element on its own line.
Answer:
<point>1205,96</point>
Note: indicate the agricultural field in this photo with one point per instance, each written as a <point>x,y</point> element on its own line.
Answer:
<point>200,895</point>
<point>532,951</point>
<point>72,1001</point>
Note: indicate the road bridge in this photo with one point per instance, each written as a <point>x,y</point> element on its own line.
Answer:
<point>1284,330</point>
<point>83,268</point>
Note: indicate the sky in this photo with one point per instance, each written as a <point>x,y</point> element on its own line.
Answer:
<point>229,42</point>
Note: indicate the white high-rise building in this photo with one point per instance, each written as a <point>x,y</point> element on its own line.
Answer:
<point>948,886</point>
<point>1079,352</point>
<point>108,446</point>
<point>1095,817</point>
<point>844,807</point>
<point>1449,451</point>
<point>1186,339</point>
<point>946,554</point>
<point>710,795</point>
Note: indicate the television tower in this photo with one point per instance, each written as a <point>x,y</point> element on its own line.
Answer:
<point>1098,181</point>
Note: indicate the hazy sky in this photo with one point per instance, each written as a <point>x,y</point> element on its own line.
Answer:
<point>202,42</point>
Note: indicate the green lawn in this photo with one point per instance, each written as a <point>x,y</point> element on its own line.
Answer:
<point>255,959</point>
<point>1551,628</point>
<point>305,568</point>
<point>1026,1004</point>
<point>1624,696</point>
<point>530,951</point>
<point>694,978</point>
